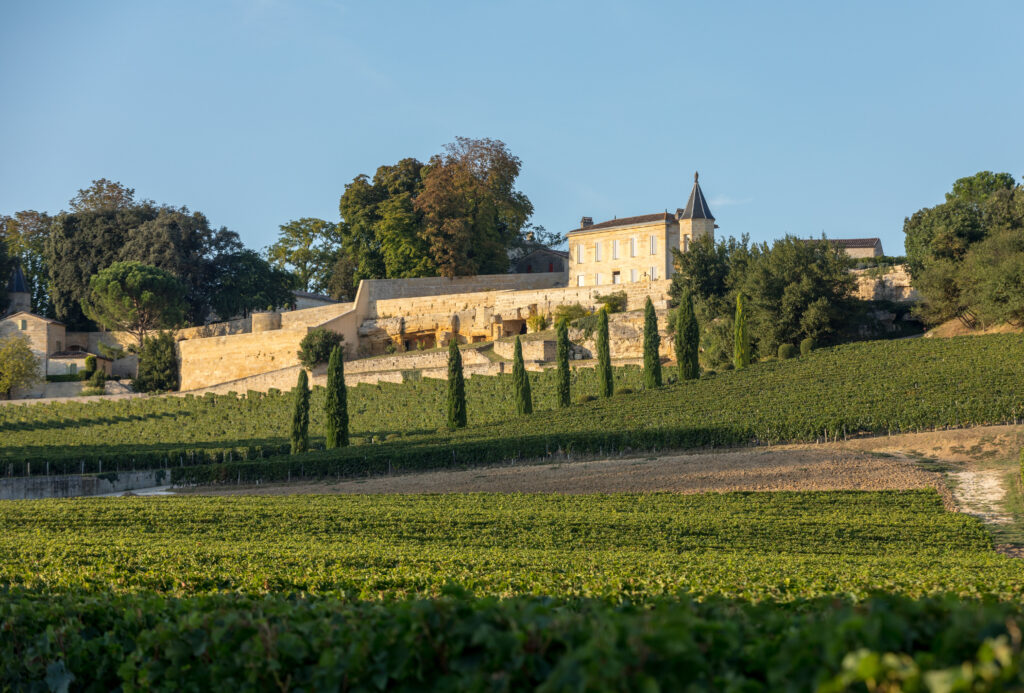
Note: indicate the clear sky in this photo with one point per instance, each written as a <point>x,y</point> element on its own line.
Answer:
<point>842,117</point>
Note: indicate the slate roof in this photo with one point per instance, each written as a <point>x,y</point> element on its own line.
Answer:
<point>628,221</point>
<point>849,242</point>
<point>697,206</point>
<point>17,283</point>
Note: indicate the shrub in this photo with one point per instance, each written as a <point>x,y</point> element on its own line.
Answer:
<point>316,347</point>
<point>570,313</point>
<point>806,346</point>
<point>537,323</point>
<point>524,402</point>
<point>786,351</point>
<point>624,391</point>
<point>19,367</point>
<point>615,302</point>
<point>158,364</point>
<point>98,379</point>
<point>652,342</point>
<point>90,365</point>
<point>300,415</point>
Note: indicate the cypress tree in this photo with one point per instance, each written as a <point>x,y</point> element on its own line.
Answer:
<point>456,388</point>
<point>524,402</point>
<point>336,405</point>
<point>652,342</point>
<point>604,359</point>
<point>687,340</point>
<point>300,418</point>
<point>562,330</point>
<point>741,336</point>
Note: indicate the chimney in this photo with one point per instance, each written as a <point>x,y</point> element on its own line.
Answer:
<point>586,221</point>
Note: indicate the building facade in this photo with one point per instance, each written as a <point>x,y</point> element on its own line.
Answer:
<point>636,249</point>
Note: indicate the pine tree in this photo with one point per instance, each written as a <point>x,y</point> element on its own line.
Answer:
<point>562,331</point>
<point>687,340</point>
<point>521,382</point>
<point>336,404</point>
<point>456,388</point>
<point>741,336</point>
<point>300,419</point>
<point>604,359</point>
<point>652,344</point>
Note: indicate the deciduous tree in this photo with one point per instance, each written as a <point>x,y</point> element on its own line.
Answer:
<point>24,234</point>
<point>19,367</point>
<point>103,195</point>
<point>306,247</point>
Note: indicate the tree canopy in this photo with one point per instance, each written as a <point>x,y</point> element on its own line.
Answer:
<point>135,298</point>
<point>19,367</point>
<point>306,247</point>
<point>964,254</point>
<point>244,282</point>
<point>24,235</point>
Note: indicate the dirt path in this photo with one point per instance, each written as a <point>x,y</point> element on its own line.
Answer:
<point>981,493</point>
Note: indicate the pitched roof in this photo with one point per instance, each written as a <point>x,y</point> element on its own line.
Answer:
<point>849,242</point>
<point>309,295</point>
<point>627,221</point>
<point>17,283</point>
<point>26,314</point>
<point>697,206</point>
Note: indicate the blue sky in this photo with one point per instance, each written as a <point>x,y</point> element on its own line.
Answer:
<point>801,117</point>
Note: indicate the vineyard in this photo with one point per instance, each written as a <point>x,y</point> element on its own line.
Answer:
<point>753,589</point>
<point>875,387</point>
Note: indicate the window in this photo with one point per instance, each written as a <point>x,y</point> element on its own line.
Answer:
<point>632,275</point>
<point>686,243</point>
<point>616,277</point>
<point>597,279</point>
<point>60,346</point>
<point>579,253</point>
<point>73,368</point>
<point>615,250</point>
<point>23,325</point>
<point>551,267</point>
<point>632,246</point>
<point>597,251</point>
<point>579,280</point>
<point>654,245</point>
<point>654,273</point>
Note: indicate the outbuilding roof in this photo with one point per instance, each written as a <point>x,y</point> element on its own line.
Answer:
<point>26,314</point>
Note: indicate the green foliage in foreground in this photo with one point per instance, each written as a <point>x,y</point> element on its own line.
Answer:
<point>459,643</point>
<point>735,591</point>
<point>779,546</point>
<point>926,383</point>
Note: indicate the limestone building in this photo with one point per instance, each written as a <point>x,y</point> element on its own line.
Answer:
<point>636,249</point>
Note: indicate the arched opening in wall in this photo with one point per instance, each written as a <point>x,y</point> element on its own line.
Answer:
<point>522,328</point>
<point>418,341</point>
<point>510,328</point>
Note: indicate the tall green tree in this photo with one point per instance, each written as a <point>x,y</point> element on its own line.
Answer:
<point>606,385</point>
<point>103,195</point>
<point>797,289</point>
<point>134,298</point>
<point>19,367</point>
<point>456,387</point>
<point>741,338</point>
<point>158,364</point>
<point>652,344</point>
<point>563,378</point>
<point>521,382</point>
<point>24,234</point>
<point>951,248</point>
<point>687,340</point>
<point>246,282</point>
<point>336,404</point>
<point>300,415</point>
<point>306,247</point>
<point>472,211</point>
<point>6,268</point>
